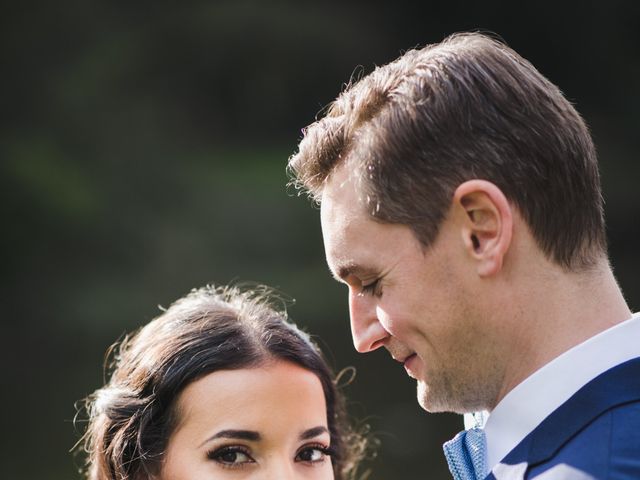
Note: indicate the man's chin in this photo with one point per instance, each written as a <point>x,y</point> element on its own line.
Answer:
<point>434,401</point>
<point>424,397</point>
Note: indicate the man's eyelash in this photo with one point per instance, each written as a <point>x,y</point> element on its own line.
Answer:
<point>371,288</point>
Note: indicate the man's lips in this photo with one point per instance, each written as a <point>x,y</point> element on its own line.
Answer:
<point>407,359</point>
<point>409,364</point>
<point>402,358</point>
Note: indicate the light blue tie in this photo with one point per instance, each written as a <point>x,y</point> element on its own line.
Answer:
<point>467,455</point>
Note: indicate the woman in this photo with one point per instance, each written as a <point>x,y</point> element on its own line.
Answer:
<point>219,386</point>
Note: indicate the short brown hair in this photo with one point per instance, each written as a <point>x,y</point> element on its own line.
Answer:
<point>469,107</point>
<point>131,418</point>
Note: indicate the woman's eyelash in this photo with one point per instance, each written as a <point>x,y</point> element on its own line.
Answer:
<point>323,449</point>
<point>231,456</point>
<point>328,451</point>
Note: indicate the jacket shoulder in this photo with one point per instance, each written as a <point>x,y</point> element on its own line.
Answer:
<point>607,448</point>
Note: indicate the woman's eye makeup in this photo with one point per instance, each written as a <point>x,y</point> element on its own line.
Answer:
<point>313,453</point>
<point>231,456</point>
<point>238,456</point>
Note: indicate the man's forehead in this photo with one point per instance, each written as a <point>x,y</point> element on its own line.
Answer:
<point>339,213</point>
<point>340,199</point>
<point>344,179</point>
<point>337,222</point>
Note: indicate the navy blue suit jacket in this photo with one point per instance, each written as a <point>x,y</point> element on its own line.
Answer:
<point>595,434</point>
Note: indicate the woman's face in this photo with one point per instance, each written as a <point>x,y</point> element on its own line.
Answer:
<point>268,422</point>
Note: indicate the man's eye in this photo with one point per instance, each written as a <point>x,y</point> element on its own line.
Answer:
<point>372,288</point>
<point>231,456</point>
<point>313,454</point>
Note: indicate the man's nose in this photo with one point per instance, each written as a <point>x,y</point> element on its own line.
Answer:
<point>367,331</point>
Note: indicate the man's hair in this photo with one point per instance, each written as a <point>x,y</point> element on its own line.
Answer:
<point>469,107</point>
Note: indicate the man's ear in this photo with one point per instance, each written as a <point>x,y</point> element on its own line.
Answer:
<point>486,223</point>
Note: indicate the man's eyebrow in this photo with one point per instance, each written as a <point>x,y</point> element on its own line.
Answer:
<point>249,435</point>
<point>343,271</point>
<point>313,432</point>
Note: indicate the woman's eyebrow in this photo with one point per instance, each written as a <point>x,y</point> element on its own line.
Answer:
<point>235,434</point>
<point>313,432</point>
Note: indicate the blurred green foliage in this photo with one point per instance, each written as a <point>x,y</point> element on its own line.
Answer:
<point>143,150</point>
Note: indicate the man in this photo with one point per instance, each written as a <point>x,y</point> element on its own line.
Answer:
<point>460,203</point>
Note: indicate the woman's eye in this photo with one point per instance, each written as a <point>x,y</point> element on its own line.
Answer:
<point>313,454</point>
<point>231,456</point>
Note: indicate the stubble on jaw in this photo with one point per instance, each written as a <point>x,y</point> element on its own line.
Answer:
<point>439,395</point>
<point>470,383</point>
<point>445,395</point>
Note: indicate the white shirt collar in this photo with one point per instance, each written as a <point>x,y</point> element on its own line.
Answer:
<point>524,407</point>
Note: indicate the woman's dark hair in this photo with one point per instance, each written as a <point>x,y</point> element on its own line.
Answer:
<point>131,418</point>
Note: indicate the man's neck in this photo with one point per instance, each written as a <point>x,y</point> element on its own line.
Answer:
<point>533,400</point>
<point>555,310</point>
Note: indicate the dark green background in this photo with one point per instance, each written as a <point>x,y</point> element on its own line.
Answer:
<point>143,150</point>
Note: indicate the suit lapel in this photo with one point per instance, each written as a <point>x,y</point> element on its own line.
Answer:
<point>612,388</point>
